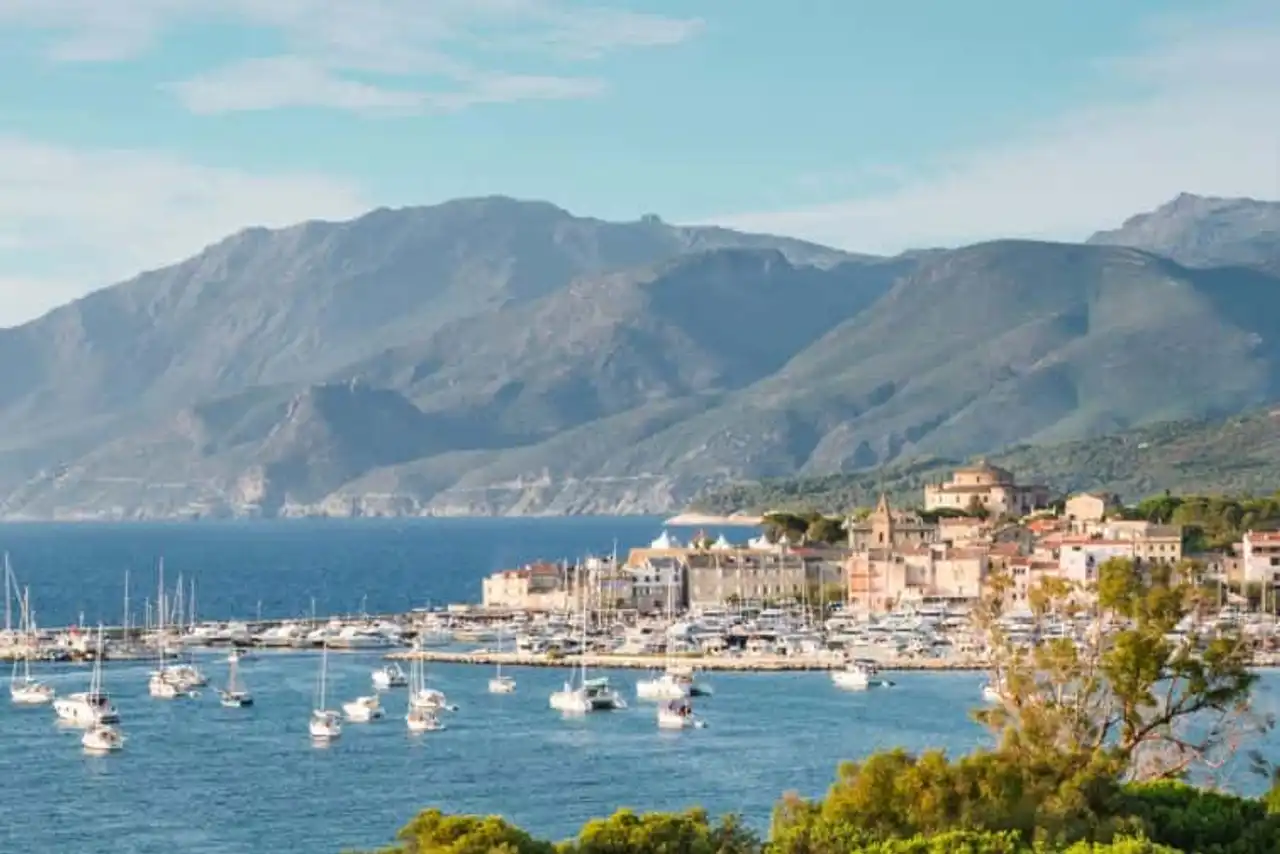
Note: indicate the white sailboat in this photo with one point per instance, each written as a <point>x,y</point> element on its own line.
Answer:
<point>670,684</point>
<point>234,696</point>
<point>24,689</point>
<point>422,719</point>
<point>325,724</point>
<point>163,683</point>
<point>102,738</point>
<point>420,696</point>
<point>588,695</point>
<point>92,707</point>
<point>500,684</point>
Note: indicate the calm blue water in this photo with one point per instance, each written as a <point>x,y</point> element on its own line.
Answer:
<point>200,779</point>
<point>396,564</point>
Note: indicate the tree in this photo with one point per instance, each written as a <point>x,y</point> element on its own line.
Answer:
<point>826,529</point>
<point>433,832</point>
<point>689,832</point>
<point>1123,699</point>
<point>793,526</point>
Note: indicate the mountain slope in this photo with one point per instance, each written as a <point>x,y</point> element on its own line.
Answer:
<point>296,304</point>
<point>493,356</point>
<point>1205,232</point>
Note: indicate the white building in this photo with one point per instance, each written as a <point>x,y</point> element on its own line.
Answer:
<point>1260,557</point>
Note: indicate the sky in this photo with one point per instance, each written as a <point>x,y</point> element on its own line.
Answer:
<point>135,132</point>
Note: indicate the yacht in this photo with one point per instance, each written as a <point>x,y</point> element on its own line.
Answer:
<point>859,676</point>
<point>991,694</point>
<point>234,696</point>
<point>667,686</point>
<point>363,710</point>
<point>678,714</point>
<point>421,719</point>
<point>92,707</point>
<point>102,738</point>
<point>324,725</point>
<point>390,676</point>
<point>591,695</point>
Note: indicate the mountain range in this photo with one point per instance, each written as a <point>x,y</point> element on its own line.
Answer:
<point>494,356</point>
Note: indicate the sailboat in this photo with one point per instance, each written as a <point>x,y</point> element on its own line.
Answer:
<point>163,683</point>
<point>420,696</point>
<point>669,685</point>
<point>500,684</point>
<point>235,696</point>
<point>23,689</point>
<point>589,695</point>
<point>324,725</point>
<point>92,707</point>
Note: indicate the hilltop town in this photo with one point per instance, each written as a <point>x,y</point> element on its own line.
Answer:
<point>978,524</point>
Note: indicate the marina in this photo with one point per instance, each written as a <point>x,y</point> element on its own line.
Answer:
<point>725,709</point>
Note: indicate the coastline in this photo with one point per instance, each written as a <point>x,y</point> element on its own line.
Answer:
<point>685,520</point>
<point>752,664</point>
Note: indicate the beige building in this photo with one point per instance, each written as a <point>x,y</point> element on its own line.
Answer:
<point>1088,508</point>
<point>880,580</point>
<point>889,528</point>
<point>986,486</point>
<point>536,587</point>
<point>1260,557</point>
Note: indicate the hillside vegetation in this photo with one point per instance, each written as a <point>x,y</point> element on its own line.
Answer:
<point>1237,456</point>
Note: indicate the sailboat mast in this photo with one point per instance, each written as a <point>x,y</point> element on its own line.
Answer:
<point>8,595</point>
<point>125,624</point>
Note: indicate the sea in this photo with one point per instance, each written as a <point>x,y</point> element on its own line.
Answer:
<point>201,779</point>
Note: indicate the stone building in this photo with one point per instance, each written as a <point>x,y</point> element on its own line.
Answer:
<point>988,487</point>
<point>889,528</point>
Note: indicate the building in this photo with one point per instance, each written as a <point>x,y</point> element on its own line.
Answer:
<point>988,487</point>
<point>719,577</point>
<point>658,583</point>
<point>1080,557</point>
<point>1088,507</point>
<point>536,587</point>
<point>1260,557</point>
<point>889,528</point>
<point>1025,574</point>
<point>880,580</point>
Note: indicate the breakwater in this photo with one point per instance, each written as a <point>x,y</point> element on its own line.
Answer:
<point>737,664</point>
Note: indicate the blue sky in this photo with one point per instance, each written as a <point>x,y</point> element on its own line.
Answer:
<point>133,132</point>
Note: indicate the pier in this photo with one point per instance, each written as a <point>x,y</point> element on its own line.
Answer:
<point>724,663</point>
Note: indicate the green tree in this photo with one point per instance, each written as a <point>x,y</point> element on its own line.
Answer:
<point>826,529</point>
<point>433,832</point>
<point>689,832</point>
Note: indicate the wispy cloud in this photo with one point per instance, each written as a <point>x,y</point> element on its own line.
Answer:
<point>1198,114</point>
<point>78,218</point>
<point>384,56</point>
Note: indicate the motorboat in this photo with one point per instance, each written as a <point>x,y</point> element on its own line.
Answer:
<point>363,709</point>
<point>390,676</point>
<point>502,685</point>
<point>420,719</point>
<point>592,695</point>
<point>430,698</point>
<point>991,694</point>
<point>678,714</point>
<point>666,686</point>
<point>102,738</point>
<point>859,676</point>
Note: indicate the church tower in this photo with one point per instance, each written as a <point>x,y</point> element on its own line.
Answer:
<point>882,533</point>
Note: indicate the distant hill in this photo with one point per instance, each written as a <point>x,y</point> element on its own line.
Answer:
<point>1236,455</point>
<point>1205,232</point>
<point>496,356</point>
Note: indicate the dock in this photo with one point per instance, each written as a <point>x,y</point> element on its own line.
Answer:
<point>724,663</point>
